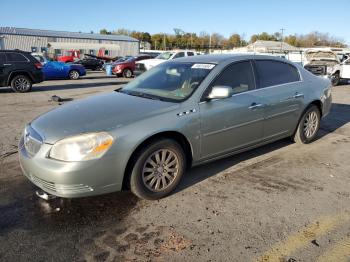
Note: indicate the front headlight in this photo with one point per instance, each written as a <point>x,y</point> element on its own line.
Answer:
<point>329,70</point>
<point>81,147</point>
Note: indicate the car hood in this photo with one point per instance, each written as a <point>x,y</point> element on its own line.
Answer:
<point>104,112</point>
<point>151,62</point>
<point>313,55</point>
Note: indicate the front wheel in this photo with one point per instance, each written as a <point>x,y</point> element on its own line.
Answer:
<point>308,126</point>
<point>21,84</point>
<point>336,79</point>
<point>74,75</point>
<point>158,169</point>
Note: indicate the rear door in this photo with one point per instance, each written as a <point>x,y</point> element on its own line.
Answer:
<point>3,75</point>
<point>234,122</point>
<point>282,88</point>
<point>346,69</point>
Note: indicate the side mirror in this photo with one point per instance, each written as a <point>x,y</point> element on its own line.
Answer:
<point>220,92</point>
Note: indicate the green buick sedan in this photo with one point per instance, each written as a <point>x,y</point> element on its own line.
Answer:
<point>179,114</point>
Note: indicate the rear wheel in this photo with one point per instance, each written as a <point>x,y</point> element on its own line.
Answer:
<point>21,84</point>
<point>74,75</point>
<point>308,126</point>
<point>127,73</point>
<point>158,169</point>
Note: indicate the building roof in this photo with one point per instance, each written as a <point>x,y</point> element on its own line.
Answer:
<point>51,33</point>
<point>271,46</point>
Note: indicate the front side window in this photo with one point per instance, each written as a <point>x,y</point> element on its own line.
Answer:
<point>273,73</point>
<point>172,82</point>
<point>178,55</point>
<point>15,57</point>
<point>238,76</point>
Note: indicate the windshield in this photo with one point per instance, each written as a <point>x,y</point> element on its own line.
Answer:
<point>172,82</point>
<point>165,56</point>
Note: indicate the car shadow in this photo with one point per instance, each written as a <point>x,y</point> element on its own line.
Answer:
<point>337,118</point>
<point>44,88</point>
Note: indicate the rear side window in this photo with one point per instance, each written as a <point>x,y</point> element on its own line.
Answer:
<point>190,54</point>
<point>2,58</point>
<point>273,73</point>
<point>238,76</point>
<point>15,57</point>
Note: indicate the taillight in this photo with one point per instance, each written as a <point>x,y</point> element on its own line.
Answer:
<point>38,65</point>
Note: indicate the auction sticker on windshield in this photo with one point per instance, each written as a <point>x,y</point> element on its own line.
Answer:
<point>203,66</point>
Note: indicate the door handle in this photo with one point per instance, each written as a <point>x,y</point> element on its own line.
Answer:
<point>7,64</point>
<point>297,95</point>
<point>255,106</point>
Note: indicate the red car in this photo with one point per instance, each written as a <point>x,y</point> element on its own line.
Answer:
<point>126,66</point>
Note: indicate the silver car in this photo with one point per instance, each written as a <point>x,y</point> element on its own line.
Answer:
<point>182,113</point>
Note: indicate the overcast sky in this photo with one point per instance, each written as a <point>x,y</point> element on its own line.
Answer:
<point>222,16</point>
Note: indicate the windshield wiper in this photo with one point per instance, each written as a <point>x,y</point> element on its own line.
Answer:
<point>140,94</point>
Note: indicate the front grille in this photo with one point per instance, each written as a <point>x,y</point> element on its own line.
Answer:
<point>60,188</point>
<point>32,141</point>
<point>317,69</point>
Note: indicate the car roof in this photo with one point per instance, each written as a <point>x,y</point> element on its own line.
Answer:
<point>219,58</point>
<point>15,51</point>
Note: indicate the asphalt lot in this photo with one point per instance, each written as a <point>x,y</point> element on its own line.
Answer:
<point>281,202</point>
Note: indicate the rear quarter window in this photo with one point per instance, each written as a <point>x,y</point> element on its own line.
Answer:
<point>15,57</point>
<point>271,73</point>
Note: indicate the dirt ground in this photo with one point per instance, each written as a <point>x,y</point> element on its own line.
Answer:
<point>281,202</point>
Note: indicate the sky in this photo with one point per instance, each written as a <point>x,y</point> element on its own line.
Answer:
<point>154,16</point>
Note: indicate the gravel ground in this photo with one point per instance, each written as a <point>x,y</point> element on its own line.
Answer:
<point>280,202</point>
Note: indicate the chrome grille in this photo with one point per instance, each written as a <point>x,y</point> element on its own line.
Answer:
<point>32,141</point>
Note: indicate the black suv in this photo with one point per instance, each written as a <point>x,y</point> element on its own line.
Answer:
<point>19,70</point>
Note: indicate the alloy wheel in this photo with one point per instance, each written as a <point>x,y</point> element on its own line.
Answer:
<point>22,84</point>
<point>310,124</point>
<point>160,170</point>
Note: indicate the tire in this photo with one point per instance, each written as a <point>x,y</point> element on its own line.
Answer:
<point>74,75</point>
<point>336,79</point>
<point>147,176</point>
<point>306,134</point>
<point>127,73</point>
<point>21,84</point>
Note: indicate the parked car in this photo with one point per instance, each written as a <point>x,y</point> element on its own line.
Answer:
<point>20,70</point>
<point>60,70</point>
<point>91,63</point>
<point>40,57</point>
<point>126,68</point>
<point>146,65</point>
<point>182,113</point>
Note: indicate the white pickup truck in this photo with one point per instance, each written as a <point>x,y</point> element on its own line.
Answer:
<point>327,64</point>
<point>145,65</point>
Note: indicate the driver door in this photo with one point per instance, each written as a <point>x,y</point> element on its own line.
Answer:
<point>237,121</point>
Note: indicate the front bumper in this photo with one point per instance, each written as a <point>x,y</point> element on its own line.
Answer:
<point>70,179</point>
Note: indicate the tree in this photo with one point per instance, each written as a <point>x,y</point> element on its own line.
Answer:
<point>104,32</point>
<point>234,41</point>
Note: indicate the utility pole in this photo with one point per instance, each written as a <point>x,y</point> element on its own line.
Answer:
<point>210,43</point>
<point>164,44</point>
<point>282,30</point>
